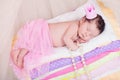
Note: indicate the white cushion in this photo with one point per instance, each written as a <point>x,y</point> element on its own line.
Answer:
<point>103,39</point>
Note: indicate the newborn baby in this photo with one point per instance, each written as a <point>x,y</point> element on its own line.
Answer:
<point>39,37</point>
<point>72,32</point>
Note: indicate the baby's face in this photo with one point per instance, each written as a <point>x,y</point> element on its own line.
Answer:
<point>87,31</point>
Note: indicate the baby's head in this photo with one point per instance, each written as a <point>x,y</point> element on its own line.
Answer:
<point>90,28</point>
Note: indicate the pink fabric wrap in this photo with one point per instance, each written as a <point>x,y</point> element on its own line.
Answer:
<point>35,37</point>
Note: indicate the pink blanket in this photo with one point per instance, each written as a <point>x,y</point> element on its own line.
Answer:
<point>35,37</point>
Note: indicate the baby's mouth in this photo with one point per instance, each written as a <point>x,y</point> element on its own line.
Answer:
<point>82,40</point>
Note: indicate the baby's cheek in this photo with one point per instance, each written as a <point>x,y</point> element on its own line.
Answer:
<point>89,38</point>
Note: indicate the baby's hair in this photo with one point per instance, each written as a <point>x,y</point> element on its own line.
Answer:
<point>99,22</point>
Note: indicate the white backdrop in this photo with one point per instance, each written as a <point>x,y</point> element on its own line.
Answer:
<point>14,13</point>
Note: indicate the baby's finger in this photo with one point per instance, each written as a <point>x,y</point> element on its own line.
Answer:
<point>78,42</point>
<point>23,52</point>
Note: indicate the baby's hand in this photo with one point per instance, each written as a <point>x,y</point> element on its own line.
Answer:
<point>77,42</point>
<point>18,57</point>
<point>74,47</point>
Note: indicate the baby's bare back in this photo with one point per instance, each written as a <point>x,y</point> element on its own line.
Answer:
<point>57,31</point>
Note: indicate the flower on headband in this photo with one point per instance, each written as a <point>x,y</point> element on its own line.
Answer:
<point>90,12</point>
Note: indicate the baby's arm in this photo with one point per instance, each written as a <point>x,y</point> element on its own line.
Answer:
<point>71,31</point>
<point>18,57</point>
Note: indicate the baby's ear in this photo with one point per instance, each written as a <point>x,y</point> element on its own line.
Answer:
<point>83,19</point>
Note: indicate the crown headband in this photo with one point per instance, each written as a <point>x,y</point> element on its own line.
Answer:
<point>90,12</point>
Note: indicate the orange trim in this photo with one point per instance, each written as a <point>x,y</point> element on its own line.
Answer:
<point>14,40</point>
<point>111,18</point>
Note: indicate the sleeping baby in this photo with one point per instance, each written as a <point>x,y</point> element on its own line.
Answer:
<point>39,37</point>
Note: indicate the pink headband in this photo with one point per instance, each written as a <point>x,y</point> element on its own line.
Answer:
<point>90,12</point>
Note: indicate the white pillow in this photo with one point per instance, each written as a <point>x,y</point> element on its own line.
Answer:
<point>103,39</point>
